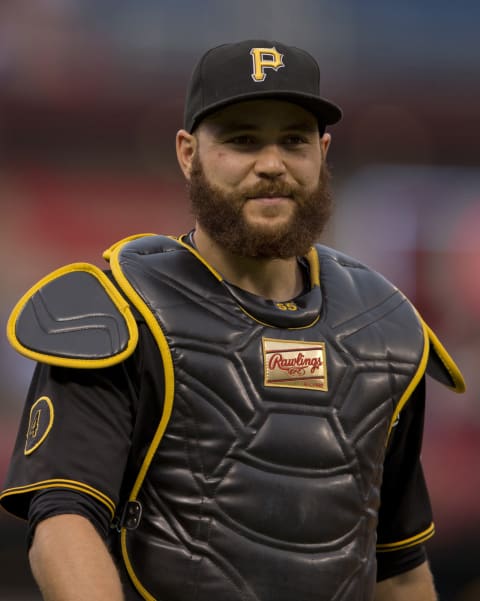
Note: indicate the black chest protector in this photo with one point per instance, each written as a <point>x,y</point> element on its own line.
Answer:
<point>262,482</point>
<point>256,466</point>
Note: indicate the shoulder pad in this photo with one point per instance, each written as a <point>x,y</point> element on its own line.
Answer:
<point>441,366</point>
<point>74,317</point>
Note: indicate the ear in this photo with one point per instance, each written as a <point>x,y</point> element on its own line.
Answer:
<point>186,146</point>
<point>325,143</point>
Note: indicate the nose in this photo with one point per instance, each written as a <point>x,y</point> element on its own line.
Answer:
<point>269,162</point>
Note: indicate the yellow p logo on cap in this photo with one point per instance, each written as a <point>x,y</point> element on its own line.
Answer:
<point>265,58</point>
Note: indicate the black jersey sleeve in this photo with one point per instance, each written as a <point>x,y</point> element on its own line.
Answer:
<point>405,517</point>
<point>75,434</point>
<point>58,501</point>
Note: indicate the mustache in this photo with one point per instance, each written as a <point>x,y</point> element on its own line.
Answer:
<point>261,190</point>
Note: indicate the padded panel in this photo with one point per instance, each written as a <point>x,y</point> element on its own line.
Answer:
<point>73,316</point>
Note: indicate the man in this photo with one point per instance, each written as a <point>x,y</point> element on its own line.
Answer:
<point>237,413</point>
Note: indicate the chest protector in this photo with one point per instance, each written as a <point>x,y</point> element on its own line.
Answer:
<point>262,482</point>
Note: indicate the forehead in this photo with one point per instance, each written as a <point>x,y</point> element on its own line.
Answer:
<point>261,114</point>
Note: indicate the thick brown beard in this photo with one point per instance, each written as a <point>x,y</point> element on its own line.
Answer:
<point>220,215</point>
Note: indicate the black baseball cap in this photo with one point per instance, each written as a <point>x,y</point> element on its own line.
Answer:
<point>255,69</point>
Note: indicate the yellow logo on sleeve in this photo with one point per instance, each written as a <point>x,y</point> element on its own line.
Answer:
<point>40,424</point>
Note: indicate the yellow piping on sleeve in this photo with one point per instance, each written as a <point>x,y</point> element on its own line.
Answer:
<point>408,542</point>
<point>61,483</point>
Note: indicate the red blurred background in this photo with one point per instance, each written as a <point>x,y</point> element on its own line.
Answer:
<point>90,99</point>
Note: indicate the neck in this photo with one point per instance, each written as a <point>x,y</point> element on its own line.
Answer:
<point>274,279</point>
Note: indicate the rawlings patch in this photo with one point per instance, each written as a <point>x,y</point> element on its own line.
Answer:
<point>294,364</point>
<point>40,424</point>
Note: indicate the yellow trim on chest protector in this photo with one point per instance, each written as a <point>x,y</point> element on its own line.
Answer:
<point>431,344</point>
<point>74,317</point>
<point>113,255</point>
<point>458,383</point>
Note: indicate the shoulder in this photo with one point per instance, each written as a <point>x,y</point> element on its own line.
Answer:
<point>74,317</point>
<point>328,252</point>
<point>345,276</point>
<point>332,260</point>
<point>346,272</point>
<point>351,289</point>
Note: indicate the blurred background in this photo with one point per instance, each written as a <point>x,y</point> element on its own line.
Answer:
<point>91,96</point>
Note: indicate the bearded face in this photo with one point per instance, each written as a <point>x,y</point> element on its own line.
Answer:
<point>221,215</point>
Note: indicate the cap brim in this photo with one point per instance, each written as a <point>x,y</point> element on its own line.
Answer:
<point>325,111</point>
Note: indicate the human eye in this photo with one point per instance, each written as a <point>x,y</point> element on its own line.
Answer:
<point>242,140</point>
<point>294,140</point>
